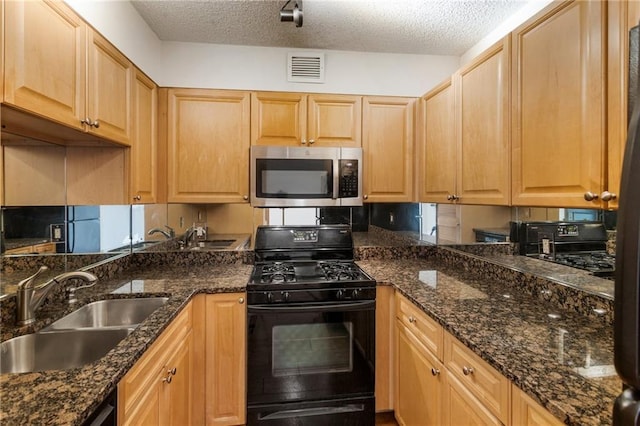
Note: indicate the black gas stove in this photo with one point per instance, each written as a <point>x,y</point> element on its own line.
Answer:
<point>577,244</point>
<point>299,263</point>
<point>310,330</point>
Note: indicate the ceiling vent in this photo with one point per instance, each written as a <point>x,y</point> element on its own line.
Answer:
<point>305,67</point>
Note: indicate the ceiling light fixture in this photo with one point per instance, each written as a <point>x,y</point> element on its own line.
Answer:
<point>295,14</point>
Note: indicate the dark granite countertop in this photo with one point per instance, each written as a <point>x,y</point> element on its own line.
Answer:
<point>68,397</point>
<point>561,358</point>
<point>543,354</point>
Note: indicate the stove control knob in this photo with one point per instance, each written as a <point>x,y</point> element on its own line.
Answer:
<point>355,293</point>
<point>269,297</point>
<point>285,296</point>
<point>340,294</point>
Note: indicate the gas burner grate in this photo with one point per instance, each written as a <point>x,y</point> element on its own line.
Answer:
<point>277,273</point>
<point>337,271</point>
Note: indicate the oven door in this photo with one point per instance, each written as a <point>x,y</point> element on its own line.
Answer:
<point>304,352</point>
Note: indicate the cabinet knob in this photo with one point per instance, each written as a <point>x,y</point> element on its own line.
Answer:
<point>167,379</point>
<point>412,320</point>
<point>452,197</point>
<point>303,141</point>
<point>137,198</point>
<point>608,196</point>
<point>590,196</point>
<point>245,197</point>
<point>467,370</point>
<point>435,371</point>
<point>88,121</point>
<point>241,300</point>
<point>365,196</point>
<point>311,141</point>
<point>172,371</point>
<point>96,124</point>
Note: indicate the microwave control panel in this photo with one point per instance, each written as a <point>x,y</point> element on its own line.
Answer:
<point>348,186</point>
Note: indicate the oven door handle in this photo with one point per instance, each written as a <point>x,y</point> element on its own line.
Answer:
<point>308,412</point>
<point>315,307</point>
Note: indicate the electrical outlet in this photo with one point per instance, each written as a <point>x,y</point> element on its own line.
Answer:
<point>392,218</point>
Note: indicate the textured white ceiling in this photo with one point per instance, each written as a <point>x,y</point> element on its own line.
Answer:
<point>437,27</point>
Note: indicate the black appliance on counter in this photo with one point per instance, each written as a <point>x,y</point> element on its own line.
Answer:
<point>626,326</point>
<point>311,330</point>
<point>580,245</point>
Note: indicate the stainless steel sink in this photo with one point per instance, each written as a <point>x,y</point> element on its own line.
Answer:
<point>212,245</point>
<point>59,350</point>
<point>112,313</point>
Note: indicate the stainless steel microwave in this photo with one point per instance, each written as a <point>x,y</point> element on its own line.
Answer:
<point>305,177</point>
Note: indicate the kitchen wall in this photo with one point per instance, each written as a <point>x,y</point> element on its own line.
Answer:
<point>201,65</point>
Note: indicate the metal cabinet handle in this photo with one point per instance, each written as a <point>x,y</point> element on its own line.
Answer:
<point>303,141</point>
<point>608,196</point>
<point>168,379</point>
<point>435,371</point>
<point>96,124</point>
<point>452,197</point>
<point>412,320</point>
<point>173,371</point>
<point>467,370</point>
<point>88,121</point>
<point>245,197</point>
<point>590,196</point>
<point>365,196</point>
<point>137,198</point>
<point>311,141</point>
<point>241,300</point>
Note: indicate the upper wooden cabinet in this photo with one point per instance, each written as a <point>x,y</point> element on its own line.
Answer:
<point>465,155</point>
<point>558,95</point>
<point>208,146</point>
<point>307,120</point>
<point>387,142</point>
<point>144,143</point>
<point>484,142</point>
<point>59,68</point>
<point>622,16</point>
<point>438,153</point>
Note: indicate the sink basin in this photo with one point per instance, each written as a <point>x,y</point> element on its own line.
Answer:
<point>58,350</point>
<point>112,313</point>
<point>214,244</point>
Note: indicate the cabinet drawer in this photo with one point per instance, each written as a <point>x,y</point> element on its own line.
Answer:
<point>429,332</point>
<point>486,383</point>
<point>150,367</point>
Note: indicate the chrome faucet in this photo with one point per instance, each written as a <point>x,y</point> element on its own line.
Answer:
<point>168,234</point>
<point>30,297</point>
<point>186,238</point>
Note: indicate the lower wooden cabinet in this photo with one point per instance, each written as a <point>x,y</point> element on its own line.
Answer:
<point>225,359</point>
<point>419,381</point>
<point>460,407</point>
<point>527,412</point>
<point>157,390</point>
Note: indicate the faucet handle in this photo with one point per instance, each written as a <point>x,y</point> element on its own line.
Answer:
<point>28,282</point>
<point>172,232</point>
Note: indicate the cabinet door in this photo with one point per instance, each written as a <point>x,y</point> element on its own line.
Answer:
<point>388,149</point>
<point>208,146</point>
<point>45,60</point>
<point>484,172</point>
<point>385,315</point>
<point>176,394</point>
<point>527,412</point>
<point>461,408</point>
<point>109,76</point>
<point>334,120</point>
<point>225,349</point>
<point>622,16</point>
<point>147,410</point>
<point>419,382</point>
<point>437,181</point>
<point>558,92</point>
<point>278,118</point>
<point>144,155</point>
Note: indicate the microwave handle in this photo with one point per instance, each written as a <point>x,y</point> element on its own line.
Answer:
<point>336,178</point>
